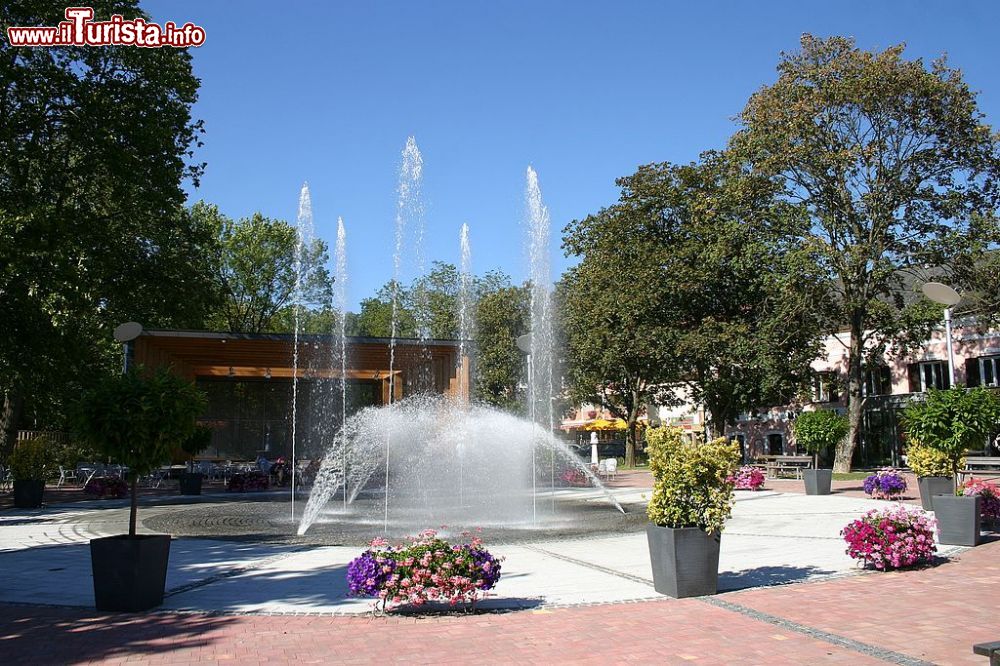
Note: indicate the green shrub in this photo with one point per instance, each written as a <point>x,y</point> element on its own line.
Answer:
<point>199,440</point>
<point>138,419</point>
<point>953,421</point>
<point>32,460</point>
<point>816,431</point>
<point>927,461</point>
<point>690,480</point>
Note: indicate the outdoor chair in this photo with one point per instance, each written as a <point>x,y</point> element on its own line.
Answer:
<point>602,469</point>
<point>66,475</point>
<point>6,479</point>
<point>611,467</point>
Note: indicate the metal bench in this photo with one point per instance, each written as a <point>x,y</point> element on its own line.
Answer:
<point>991,650</point>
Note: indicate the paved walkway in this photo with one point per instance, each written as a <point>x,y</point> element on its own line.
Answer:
<point>932,615</point>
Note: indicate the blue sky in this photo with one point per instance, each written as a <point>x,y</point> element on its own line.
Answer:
<point>583,91</point>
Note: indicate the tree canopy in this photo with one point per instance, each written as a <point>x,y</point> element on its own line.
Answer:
<point>95,144</point>
<point>895,172</point>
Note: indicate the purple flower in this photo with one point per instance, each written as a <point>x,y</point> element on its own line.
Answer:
<point>366,576</point>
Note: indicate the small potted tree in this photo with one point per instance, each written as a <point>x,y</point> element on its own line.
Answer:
<point>692,498</point>
<point>29,465</point>
<point>200,439</point>
<point>135,419</point>
<point>954,421</point>
<point>933,471</point>
<point>814,432</point>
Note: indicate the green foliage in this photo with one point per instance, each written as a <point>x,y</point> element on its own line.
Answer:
<point>32,460</point>
<point>815,431</point>
<point>953,421</point>
<point>199,440</point>
<point>255,272</point>
<point>138,419</point>
<point>95,147</point>
<point>690,480</point>
<point>686,281</point>
<point>893,169</point>
<point>928,461</point>
<point>502,315</point>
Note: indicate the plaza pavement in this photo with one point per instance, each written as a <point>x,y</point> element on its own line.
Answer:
<point>587,599</point>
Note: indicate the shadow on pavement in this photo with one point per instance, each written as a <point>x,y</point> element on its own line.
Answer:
<point>730,581</point>
<point>34,635</point>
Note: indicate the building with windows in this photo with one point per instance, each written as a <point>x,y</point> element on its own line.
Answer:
<point>889,385</point>
<point>248,381</point>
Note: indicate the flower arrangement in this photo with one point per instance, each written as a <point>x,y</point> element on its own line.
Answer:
<point>747,477</point>
<point>990,493</point>
<point>108,487</point>
<point>574,476</point>
<point>425,568</point>
<point>886,483</point>
<point>247,482</point>
<point>891,538</point>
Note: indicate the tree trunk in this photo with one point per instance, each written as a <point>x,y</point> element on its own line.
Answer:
<point>135,503</point>
<point>845,448</point>
<point>630,440</point>
<point>10,416</point>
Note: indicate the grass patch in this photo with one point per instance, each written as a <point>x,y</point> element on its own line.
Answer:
<point>850,476</point>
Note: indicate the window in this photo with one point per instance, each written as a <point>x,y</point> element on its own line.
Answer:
<point>878,381</point>
<point>928,375</point>
<point>775,444</point>
<point>825,387</point>
<point>982,371</point>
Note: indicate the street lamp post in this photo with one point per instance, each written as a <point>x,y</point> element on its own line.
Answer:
<point>948,297</point>
<point>125,334</point>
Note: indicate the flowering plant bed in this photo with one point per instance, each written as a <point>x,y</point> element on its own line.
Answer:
<point>574,476</point>
<point>891,538</point>
<point>425,568</point>
<point>747,477</point>
<point>247,482</point>
<point>110,487</point>
<point>989,505</point>
<point>885,484</point>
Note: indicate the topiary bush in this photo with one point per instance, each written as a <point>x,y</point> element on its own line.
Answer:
<point>137,419</point>
<point>32,460</point>
<point>927,461</point>
<point>816,431</point>
<point>692,484</point>
<point>953,421</point>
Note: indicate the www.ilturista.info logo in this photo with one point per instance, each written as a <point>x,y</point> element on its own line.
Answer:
<point>80,30</point>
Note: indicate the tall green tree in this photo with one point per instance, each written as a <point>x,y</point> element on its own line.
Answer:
<point>894,169</point>
<point>255,272</point>
<point>502,314</point>
<point>685,282</point>
<point>95,144</point>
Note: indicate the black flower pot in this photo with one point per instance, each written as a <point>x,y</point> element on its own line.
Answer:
<point>958,519</point>
<point>930,486</point>
<point>28,493</point>
<point>190,483</point>
<point>817,481</point>
<point>685,560</point>
<point>130,573</point>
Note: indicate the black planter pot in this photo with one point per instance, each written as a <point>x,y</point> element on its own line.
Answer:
<point>817,481</point>
<point>130,573</point>
<point>190,483</point>
<point>685,561</point>
<point>28,493</point>
<point>958,519</point>
<point>930,486</point>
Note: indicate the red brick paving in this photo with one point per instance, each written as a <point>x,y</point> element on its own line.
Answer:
<point>934,614</point>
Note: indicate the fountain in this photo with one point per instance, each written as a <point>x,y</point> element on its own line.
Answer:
<point>429,460</point>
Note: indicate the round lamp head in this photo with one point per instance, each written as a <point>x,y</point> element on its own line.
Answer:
<point>128,331</point>
<point>524,343</point>
<point>941,293</point>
